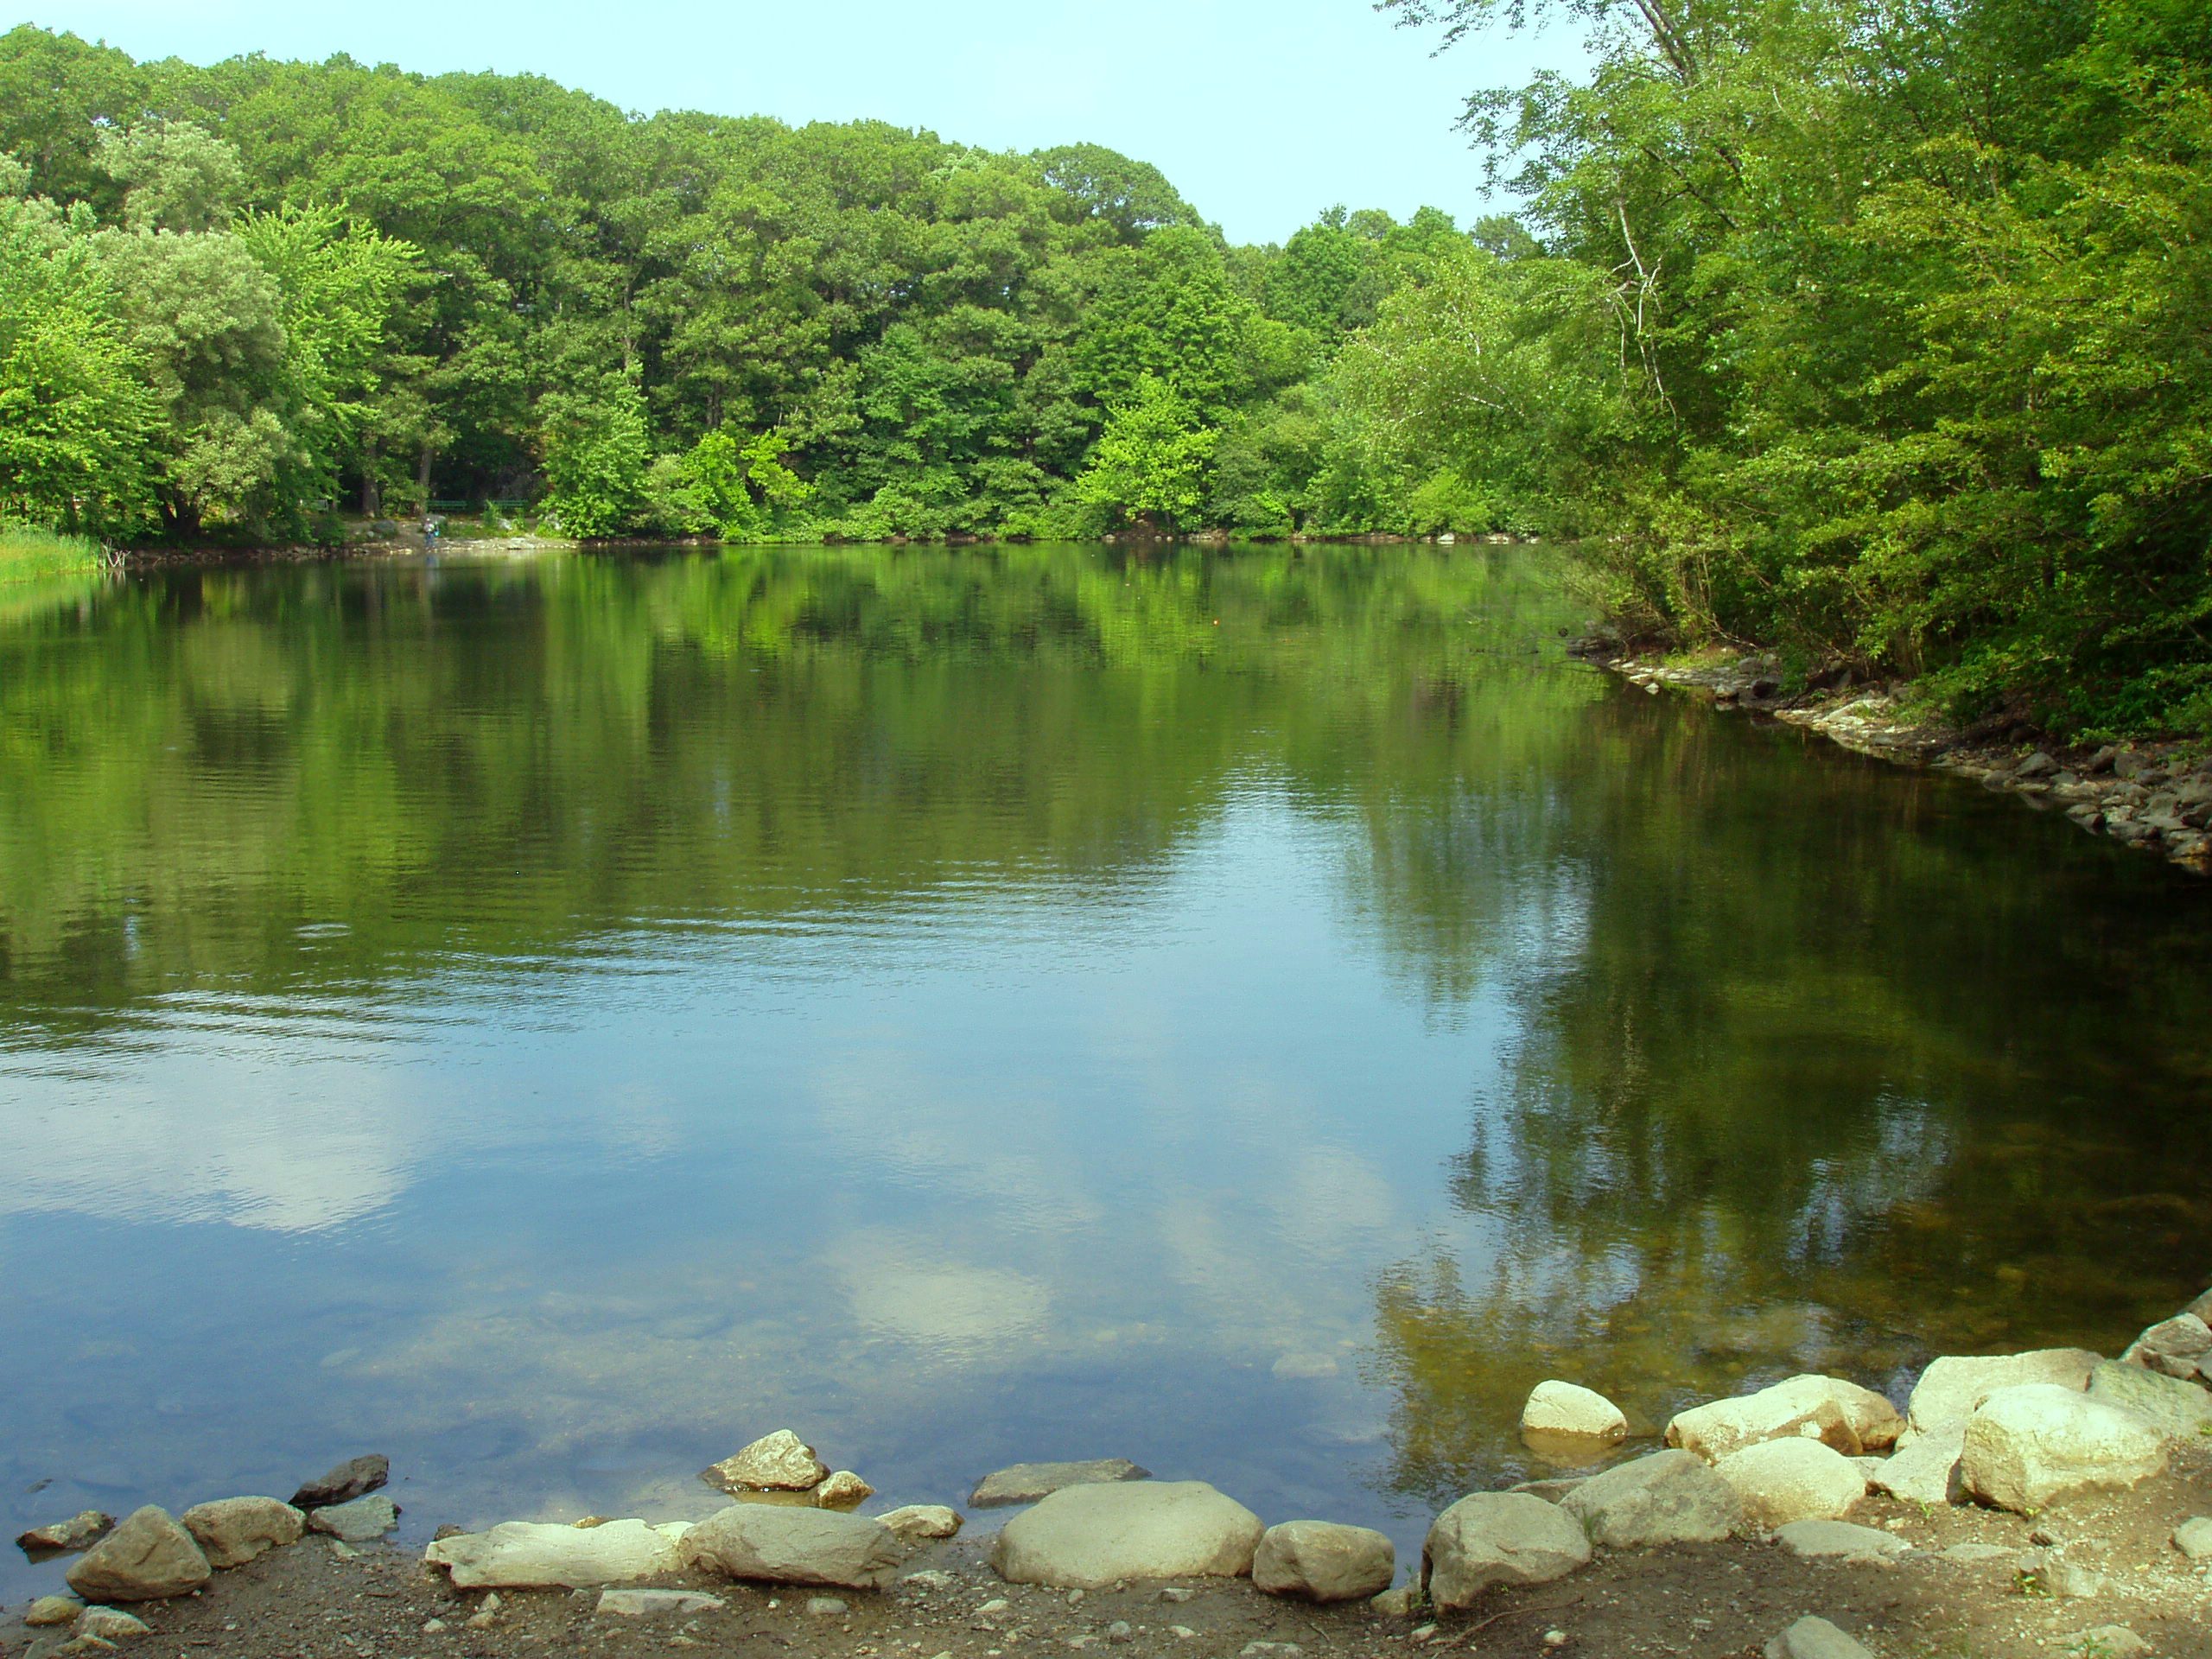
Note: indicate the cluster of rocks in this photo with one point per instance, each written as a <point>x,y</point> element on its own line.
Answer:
<point>2013,1431</point>
<point>151,1555</point>
<point>2156,797</point>
<point>1789,1463</point>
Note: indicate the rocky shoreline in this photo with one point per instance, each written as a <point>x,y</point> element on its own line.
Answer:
<point>2054,1499</point>
<point>2153,796</point>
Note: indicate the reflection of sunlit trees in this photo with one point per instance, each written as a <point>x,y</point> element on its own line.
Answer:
<point>1815,1070</point>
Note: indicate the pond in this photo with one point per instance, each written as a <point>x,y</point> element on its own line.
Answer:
<point>1254,1012</point>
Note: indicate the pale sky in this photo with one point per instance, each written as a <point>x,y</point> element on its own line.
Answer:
<point>1262,113</point>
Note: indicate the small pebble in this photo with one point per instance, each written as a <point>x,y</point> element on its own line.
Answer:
<point>826,1606</point>
<point>996,1604</point>
<point>1074,1596</point>
<point>432,1627</point>
<point>1555,1638</point>
<point>1118,1630</point>
<point>1176,1592</point>
<point>1181,1632</point>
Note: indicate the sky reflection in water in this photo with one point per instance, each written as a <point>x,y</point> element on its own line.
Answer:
<point>554,1022</point>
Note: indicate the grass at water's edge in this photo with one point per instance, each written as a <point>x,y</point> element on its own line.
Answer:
<point>27,554</point>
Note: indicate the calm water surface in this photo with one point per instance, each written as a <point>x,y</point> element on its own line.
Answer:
<point>1256,1013</point>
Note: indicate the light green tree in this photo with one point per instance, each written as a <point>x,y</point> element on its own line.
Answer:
<point>1150,462</point>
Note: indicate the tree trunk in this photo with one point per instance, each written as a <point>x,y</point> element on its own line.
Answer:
<point>422,475</point>
<point>371,500</point>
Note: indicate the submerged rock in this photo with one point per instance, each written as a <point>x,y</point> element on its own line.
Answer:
<point>1493,1538</point>
<point>1568,1408</point>
<point>531,1555</point>
<point>777,1545</point>
<point>231,1531</point>
<point>842,1491</point>
<point>780,1462</point>
<point>1669,1497</point>
<point>1951,1387</point>
<point>80,1531</point>
<point>916,1524</point>
<point>349,1480</point>
<point>1783,1481</point>
<point>1840,1414</point>
<point>1321,1560</point>
<point>1082,1537</point>
<point>360,1522</point>
<point>2028,1445</point>
<point>148,1557</point>
<point>1026,1483</point>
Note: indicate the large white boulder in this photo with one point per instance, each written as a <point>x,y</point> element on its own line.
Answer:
<point>1781,1481</point>
<point>1950,1389</point>
<point>1828,1409</point>
<point>532,1554</point>
<point>1082,1537</point>
<point>2028,1445</point>
<point>2175,1347</point>
<point>1493,1538</point>
<point>148,1557</point>
<point>231,1531</point>
<point>1568,1408</point>
<point>2177,1409</point>
<point>1322,1560</point>
<point>780,1462</point>
<point>1669,1497</point>
<point>1926,1470</point>
<point>921,1523</point>
<point>779,1544</point>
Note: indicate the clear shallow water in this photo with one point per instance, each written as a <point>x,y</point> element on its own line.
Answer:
<point>1253,1012</point>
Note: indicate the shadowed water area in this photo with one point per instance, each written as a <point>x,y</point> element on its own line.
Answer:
<point>1256,1013</point>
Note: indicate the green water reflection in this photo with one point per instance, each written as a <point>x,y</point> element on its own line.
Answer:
<point>1258,1011</point>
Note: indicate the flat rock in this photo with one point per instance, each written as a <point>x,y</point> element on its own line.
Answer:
<point>1493,1538</point>
<point>1969,1554</point>
<point>2194,1538</point>
<point>1082,1537</point>
<point>842,1491</point>
<point>349,1480</point>
<point>2173,1347</point>
<point>1026,1483</point>
<point>1555,1408</point>
<point>656,1603</point>
<point>1951,1387</point>
<point>2177,1409</point>
<point>1669,1497</point>
<point>1783,1481</point>
<point>2028,1445</point>
<point>534,1555</point>
<point>1815,1638</point>
<point>1819,1539</point>
<point>147,1558</point>
<point>80,1531</point>
<point>918,1523</point>
<point>110,1624</point>
<point>1926,1472</point>
<point>52,1609</point>
<point>231,1531</point>
<point>775,1545</point>
<point>1838,1414</point>
<point>780,1462</point>
<point>2110,1642</point>
<point>360,1522</point>
<point>1321,1560</point>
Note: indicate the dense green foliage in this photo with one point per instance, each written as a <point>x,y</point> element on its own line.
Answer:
<point>493,289</point>
<point>1876,327</point>
<point>1871,329</point>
